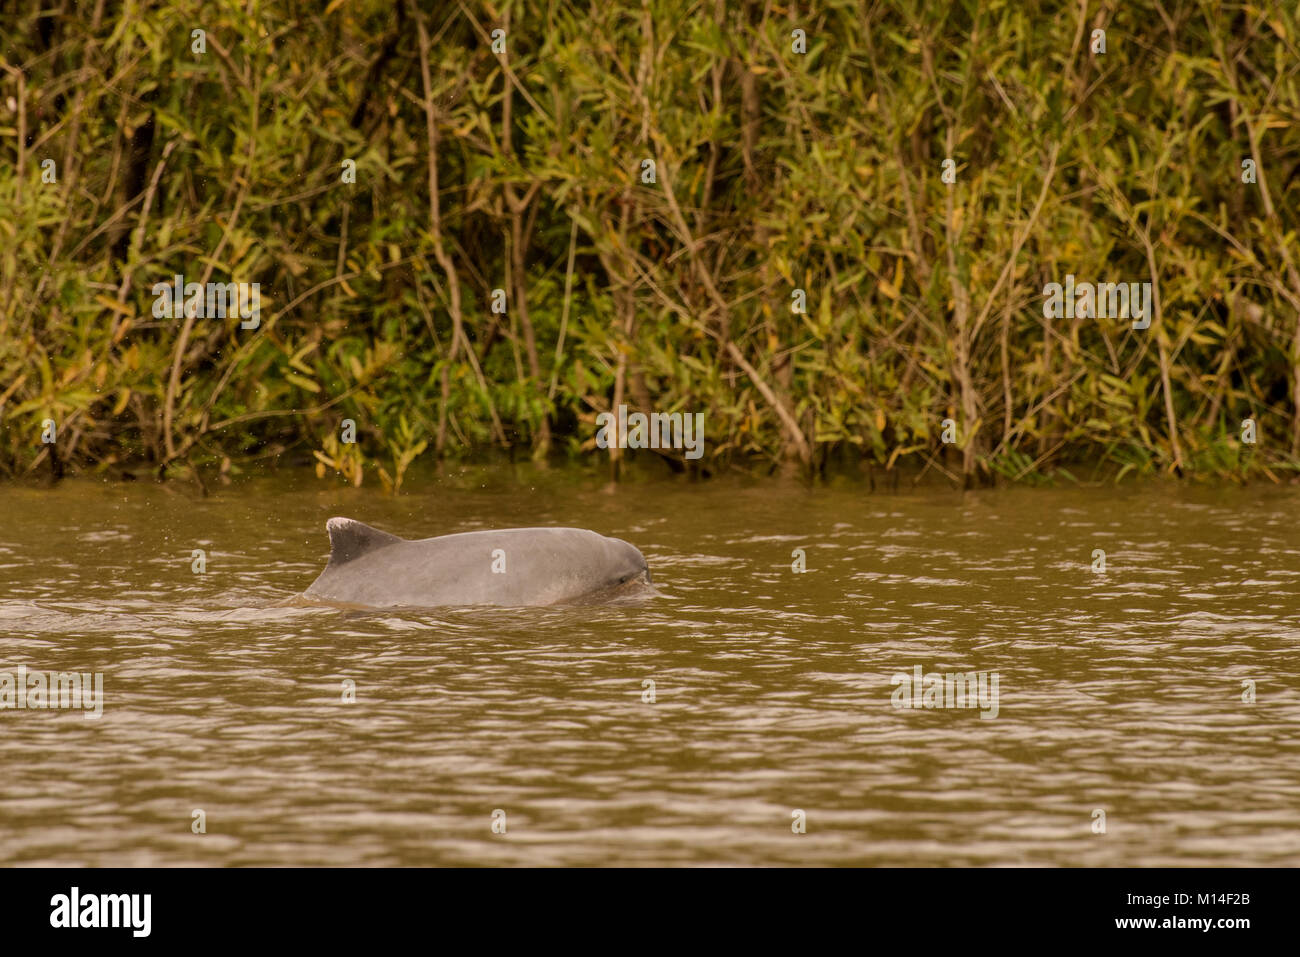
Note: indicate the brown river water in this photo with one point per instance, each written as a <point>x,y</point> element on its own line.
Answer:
<point>1118,691</point>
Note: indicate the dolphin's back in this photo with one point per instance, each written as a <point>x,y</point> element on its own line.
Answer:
<point>517,566</point>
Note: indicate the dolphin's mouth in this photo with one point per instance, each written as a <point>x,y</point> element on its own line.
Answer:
<point>630,588</point>
<point>641,577</point>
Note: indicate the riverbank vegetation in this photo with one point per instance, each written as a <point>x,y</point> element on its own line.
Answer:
<point>646,193</point>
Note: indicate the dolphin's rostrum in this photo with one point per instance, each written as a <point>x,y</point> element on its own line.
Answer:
<point>515,566</point>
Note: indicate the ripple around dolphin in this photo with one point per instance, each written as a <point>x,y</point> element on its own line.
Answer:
<point>1120,691</point>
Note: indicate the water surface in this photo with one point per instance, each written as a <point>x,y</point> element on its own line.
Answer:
<point>1118,691</point>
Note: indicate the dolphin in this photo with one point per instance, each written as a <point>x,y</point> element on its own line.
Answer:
<point>514,566</point>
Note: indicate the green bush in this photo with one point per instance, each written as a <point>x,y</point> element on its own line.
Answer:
<point>775,170</point>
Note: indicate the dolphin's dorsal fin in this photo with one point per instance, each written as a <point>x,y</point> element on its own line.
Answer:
<point>350,539</point>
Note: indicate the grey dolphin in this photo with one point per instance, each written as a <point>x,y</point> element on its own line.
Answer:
<point>515,566</point>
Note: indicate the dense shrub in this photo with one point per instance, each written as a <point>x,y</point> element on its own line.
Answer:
<point>774,170</point>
